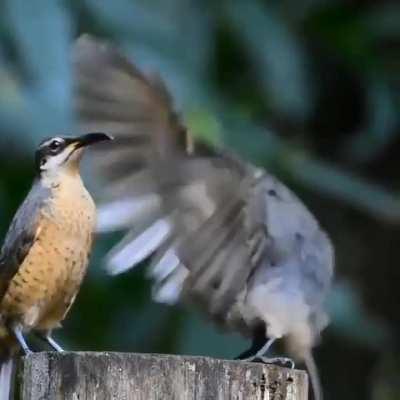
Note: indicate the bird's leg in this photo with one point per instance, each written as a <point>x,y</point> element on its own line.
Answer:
<point>53,343</point>
<point>258,342</point>
<point>17,330</point>
<point>270,360</point>
<point>260,353</point>
<point>46,336</point>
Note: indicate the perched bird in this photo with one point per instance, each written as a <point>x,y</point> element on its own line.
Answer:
<point>46,250</point>
<point>224,235</point>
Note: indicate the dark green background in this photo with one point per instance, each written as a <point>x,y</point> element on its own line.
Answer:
<point>308,89</point>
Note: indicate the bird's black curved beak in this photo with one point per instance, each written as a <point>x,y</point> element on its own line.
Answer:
<point>92,138</point>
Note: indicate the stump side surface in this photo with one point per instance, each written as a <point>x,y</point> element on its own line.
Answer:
<point>126,376</point>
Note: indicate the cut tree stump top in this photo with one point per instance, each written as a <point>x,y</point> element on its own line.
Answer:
<point>127,376</point>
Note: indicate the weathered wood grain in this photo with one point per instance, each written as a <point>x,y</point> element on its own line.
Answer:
<point>124,376</point>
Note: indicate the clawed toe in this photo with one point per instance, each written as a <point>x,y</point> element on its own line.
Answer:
<point>283,361</point>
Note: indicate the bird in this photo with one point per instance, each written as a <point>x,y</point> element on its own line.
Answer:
<point>222,234</point>
<point>46,250</point>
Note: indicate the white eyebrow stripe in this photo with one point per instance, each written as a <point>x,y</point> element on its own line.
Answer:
<point>47,142</point>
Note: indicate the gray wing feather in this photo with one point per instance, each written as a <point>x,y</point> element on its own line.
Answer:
<point>297,268</point>
<point>21,234</point>
<point>296,234</point>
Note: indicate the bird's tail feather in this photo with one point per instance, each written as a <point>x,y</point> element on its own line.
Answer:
<point>6,379</point>
<point>314,376</point>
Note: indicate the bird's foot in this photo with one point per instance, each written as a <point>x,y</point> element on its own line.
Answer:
<point>27,351</point>
<point>283,361</point>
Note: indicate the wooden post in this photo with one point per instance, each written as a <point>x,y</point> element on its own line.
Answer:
<point>124,376</point>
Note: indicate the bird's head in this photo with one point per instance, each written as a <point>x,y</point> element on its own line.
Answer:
<point>63,154</point>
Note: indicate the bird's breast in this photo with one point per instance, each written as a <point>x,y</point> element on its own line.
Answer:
<point>50,276</point>
<point>72,208</point>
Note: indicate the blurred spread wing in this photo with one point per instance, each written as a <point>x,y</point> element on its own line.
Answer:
<point>23,232</point>
<point>193,212</point>
<point>113,96</point>
<point>219,230</point>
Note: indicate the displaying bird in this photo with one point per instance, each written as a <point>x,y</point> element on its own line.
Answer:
<point>224,235</point>
<point>46,250</point>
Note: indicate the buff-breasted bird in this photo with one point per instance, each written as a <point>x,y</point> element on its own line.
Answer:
<point>46,250</point>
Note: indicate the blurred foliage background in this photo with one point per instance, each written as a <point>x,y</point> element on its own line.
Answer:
<point>309,89</point>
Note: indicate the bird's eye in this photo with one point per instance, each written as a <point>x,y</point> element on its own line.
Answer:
<point>55,145</point>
